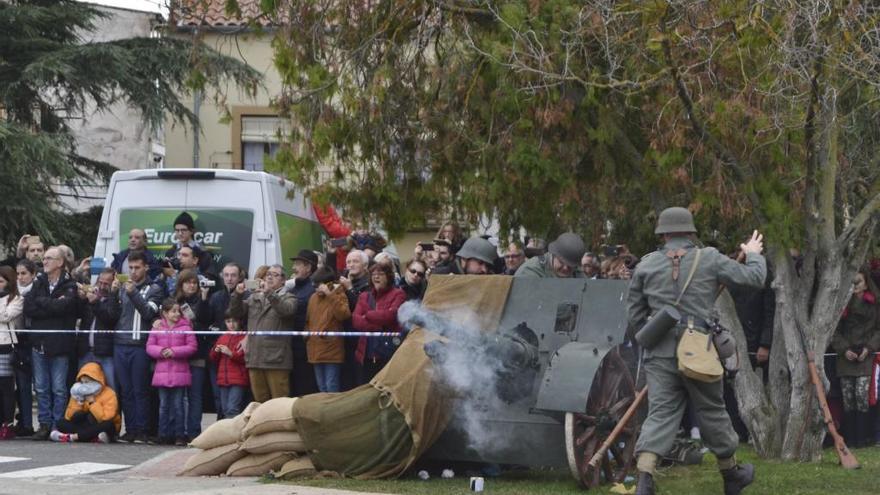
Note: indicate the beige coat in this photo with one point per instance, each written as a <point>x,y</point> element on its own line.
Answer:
<point>273,311</point>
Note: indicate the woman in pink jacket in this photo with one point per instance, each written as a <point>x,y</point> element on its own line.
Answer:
<point>171,343</point>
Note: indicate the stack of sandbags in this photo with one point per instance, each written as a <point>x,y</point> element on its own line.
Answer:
<point>261,439</point>
<point>220,444</point>
<point>270,441</point>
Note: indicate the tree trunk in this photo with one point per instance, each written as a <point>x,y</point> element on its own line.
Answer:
<point>783,416</point>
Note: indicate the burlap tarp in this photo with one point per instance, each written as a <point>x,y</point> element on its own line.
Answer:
<point>378,430</point>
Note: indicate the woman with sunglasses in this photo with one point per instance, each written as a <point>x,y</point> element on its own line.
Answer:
<point>414,280</point>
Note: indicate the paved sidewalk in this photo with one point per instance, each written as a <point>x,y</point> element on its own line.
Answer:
<point>46,468</point>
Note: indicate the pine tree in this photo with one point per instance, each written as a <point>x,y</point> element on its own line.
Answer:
<point>48,73</point>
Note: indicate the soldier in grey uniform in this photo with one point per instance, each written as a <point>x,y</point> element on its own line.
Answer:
<point>657,282</point>
<point>562,261</point>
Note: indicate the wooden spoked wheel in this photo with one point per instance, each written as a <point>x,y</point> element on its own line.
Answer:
<point>612,392</point>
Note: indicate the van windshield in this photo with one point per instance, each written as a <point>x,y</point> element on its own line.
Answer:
<point>225,233</point>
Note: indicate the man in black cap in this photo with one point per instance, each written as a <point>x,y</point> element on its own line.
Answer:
<point>302,376</point>
<point>184,230</point>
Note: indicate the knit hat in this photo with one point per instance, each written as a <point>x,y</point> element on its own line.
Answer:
<point>185,219</point>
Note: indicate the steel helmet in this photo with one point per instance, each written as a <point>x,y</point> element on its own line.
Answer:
<point>569,248</point>
<point>479,249</point>
<point>675,219</point>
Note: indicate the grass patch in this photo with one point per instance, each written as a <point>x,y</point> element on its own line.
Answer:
<point>772,478</point>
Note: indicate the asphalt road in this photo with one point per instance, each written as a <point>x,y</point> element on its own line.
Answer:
<point>47,468</point>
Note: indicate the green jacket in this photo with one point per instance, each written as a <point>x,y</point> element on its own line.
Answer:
<point>652,286</point>
<point>542,267</point>
<point>857,328</point>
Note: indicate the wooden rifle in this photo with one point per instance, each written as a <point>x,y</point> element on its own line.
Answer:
<point>846,457</point>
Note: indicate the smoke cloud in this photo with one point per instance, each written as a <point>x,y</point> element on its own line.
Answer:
<point>469,369</point>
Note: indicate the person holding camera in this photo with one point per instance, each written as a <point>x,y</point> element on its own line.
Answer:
<point>184,231</point>
<point>562,259</point>
<point>327,312</point>
<point>188,258</point>
<point>140,301</point>
<point>99,310</point>
<point>302,377</point>
<point>269,358</point>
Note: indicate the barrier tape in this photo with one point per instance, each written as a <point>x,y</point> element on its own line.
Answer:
<point>827,354</point>
<point>221,332</point>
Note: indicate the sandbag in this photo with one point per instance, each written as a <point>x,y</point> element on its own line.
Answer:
<point>273,415</point>
<point>300,467</point>
<point>212,462</point>
<point>276,441</point>
<point>249,410</point>
<point>260,464</point>
<point>223,432</point>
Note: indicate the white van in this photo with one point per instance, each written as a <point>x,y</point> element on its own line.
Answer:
<point>239,215</point>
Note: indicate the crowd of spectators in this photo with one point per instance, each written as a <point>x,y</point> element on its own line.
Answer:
<point>184,330</point>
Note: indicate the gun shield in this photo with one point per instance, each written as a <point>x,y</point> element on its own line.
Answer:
<point>656,328</point>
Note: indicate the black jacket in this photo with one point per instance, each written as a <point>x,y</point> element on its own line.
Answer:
<point>52,310</point>
<point>138,311</point>
<point>756,310</point>
<point>413,292</point>
<point>102,315</point>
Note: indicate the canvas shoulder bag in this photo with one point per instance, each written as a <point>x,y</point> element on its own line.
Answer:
<point>697,357</point>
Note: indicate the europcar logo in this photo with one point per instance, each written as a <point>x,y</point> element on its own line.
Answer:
<point>160,237</point>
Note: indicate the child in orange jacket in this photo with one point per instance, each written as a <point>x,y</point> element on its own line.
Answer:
<point>92,412</point>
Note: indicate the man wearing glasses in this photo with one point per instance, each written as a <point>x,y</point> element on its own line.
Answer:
<point>269,358</point>
<point>51,304</point>
<point>513,258</point>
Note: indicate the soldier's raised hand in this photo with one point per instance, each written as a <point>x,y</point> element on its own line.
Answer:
<point>754,245</point>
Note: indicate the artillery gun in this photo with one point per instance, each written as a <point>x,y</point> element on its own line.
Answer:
<point>564,377</point>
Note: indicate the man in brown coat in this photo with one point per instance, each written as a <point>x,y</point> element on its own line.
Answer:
<point>269,358</point>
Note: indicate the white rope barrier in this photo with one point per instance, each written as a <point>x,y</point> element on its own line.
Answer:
<point>221,332</point>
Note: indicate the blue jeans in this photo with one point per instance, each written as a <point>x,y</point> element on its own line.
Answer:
<point>107,367</point>
<point>232,400</point>
<point>50,382</point>
<point>24,385</point>
<point>327,375</point>
<point>133,371</point>
<point>194,395</point>
<point>171,416</point>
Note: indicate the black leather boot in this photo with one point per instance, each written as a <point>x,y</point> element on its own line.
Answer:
<point>737,478</point>
<point>645,484</point>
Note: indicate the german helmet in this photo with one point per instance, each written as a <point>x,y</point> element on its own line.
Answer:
<point>478,248</point>
<point>569,248</point>
<point>675,219</point>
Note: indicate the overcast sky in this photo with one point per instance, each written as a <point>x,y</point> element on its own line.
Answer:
<point>145,5</point>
